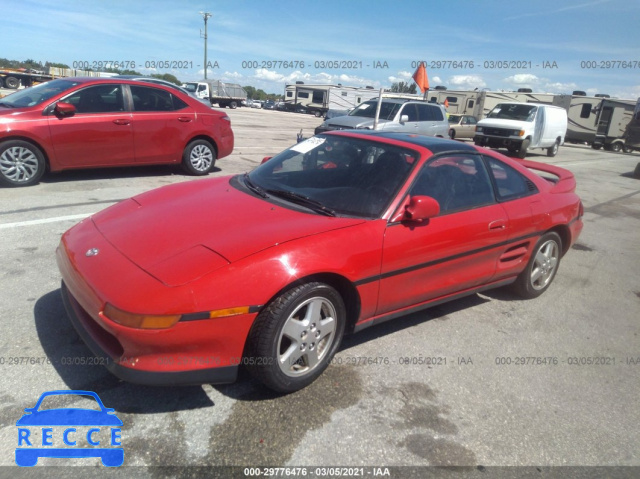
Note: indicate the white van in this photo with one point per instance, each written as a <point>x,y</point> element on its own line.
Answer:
<point>520,127</point>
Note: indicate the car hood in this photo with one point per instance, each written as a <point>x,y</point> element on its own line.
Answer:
<point>500,123</point>
<point>181,232</point>
<point>347,122</point>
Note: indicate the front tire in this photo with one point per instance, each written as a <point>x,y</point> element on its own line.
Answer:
<point>524,146</point>
<point>452,134</point>
<point>199,158</point>
<point>542,267</point>
<point>21,163</point>
<point>295,337</point>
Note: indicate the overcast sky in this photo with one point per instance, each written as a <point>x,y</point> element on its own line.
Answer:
<point>548,45</point>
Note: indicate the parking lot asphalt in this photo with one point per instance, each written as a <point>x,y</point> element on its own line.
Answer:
<point>488,380</point>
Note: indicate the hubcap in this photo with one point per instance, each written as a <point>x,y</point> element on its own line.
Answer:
<point>18,164</point>
<point>306,337</point>
<point>544,265</point>
<point>201,157</point>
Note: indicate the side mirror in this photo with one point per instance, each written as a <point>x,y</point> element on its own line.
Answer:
<point>404,118</point>
<point>64,109</point>
<point>417,209</point>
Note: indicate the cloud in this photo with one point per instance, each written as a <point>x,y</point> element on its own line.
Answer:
<point>523,79</point>
<point>467,82</point>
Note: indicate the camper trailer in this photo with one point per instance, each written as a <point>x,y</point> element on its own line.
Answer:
<point>632,134</point>
<point>480,103</point>
<point>613,117</point>
<point>319,99</point>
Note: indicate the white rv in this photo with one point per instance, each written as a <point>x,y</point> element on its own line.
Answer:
<point>319,99</point>
<point>613,117</point>
<point>520,127</point>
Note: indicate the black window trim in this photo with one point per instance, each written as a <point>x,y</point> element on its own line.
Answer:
<point>496,190</point>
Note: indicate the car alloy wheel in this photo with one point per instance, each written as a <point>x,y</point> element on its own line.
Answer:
<point>306,336</point>
<point>542,267</point>
<point>545,264</point>
<point>21,163</point>
<point>199,157</point>
<point>295,336</point>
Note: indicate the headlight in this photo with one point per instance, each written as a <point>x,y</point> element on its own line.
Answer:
<point>479,129</point>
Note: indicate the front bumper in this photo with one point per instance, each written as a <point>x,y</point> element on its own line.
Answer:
<point>193,351</point>
<point>95,340</point>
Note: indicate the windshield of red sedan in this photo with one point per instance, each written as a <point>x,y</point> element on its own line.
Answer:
<point>337,174</point>
<point>35,95</point>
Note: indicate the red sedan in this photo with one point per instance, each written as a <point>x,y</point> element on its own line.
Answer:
<point>98,122</point>
<point>339,232</point>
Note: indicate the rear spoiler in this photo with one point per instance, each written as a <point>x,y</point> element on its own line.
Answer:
<point>566,182</point>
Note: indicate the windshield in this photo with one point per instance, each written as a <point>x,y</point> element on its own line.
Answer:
<point>367,109</point>
<point>511,111</point>
<point>37,94</point>
<point>454,118</point>
<point>192,87</point>
<point>340,175</point>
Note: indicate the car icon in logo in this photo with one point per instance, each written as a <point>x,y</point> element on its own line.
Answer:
<point>72,427</point>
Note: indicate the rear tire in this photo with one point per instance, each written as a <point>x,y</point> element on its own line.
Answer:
<point>616,147</point>
<point>295,337</point>
<point>553,150</point>
<point>199,158</point>
<point>542,267</point>
<point>12,82</point>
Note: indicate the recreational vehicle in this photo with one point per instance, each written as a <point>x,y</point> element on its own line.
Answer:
<point>319,99</point>
<point>612,119</point>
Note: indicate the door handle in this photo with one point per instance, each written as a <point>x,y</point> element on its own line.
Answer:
<point>184,119</point>
<point>122,121</point>
<point>497,225</point>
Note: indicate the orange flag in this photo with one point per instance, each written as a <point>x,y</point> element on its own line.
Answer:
<point>446,103</point>
<point>421,78</point>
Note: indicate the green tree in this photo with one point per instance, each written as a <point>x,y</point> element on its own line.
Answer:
<point>167,77</point>
<point>402,87</point>
<point>251,92</point>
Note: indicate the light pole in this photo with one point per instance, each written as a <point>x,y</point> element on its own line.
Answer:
<point>206,16</point>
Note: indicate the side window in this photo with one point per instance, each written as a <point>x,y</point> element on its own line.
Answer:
<point>153,99</point>
<point>471,120</point>
<point>97,99</point>
<point>411,111</point>
<point>510,184</point>
<point>424,113</point>
<point>432,113</point>
<point>457,182</point>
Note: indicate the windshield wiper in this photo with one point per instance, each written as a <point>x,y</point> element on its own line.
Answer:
<point>304,201</point>
<point>253,187</point>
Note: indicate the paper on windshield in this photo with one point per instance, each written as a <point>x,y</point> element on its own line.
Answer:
<point>308,145</point>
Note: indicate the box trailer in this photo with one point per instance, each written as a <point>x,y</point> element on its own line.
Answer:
<point>224,94</point>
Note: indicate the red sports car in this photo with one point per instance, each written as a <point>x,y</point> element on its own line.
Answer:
<point>98,122</point>
<point>339,232</point>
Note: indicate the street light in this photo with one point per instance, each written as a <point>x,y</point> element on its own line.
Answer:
<point>206,16</point>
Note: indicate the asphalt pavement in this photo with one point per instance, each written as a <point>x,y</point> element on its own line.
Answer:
<point>487,382</point>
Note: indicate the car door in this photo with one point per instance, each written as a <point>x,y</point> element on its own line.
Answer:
<point>162,124</point>
<point>409,126</point>
<point>527,215</point>
<point>452,252</point>
<point>431,122</point>
<point>99,133</point>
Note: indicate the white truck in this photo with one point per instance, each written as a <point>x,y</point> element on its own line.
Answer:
<point>520,127</point>
<point>224,94</point>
